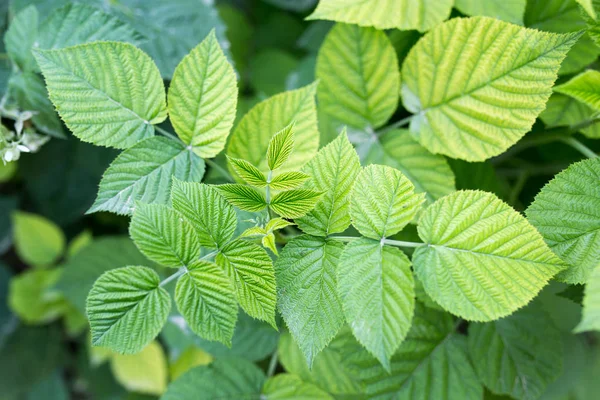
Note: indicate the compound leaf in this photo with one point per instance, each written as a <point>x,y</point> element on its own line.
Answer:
<point>248,172</point>
<point>288,180</point>
<point>242,196</point>
<point>591,304</point>
<point>585,87</point>
<point>294,203</point>
<point>127,309</point>
<point>482,260</point>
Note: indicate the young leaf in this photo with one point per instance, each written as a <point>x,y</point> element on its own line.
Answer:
<point>254,231</point>
<point>290,387</point>
<point>567,214</point>
<point>482,259</point>
<point>382,202</point>
<point>250,139</point>
<point>288,180</point>
<point>385,14</point>
<point>461,108</point>
<point>585,87</point>
<point>127,309</point>
<point>101,97</point>
<point>212,217</point>
<point>276,224</point>
<point>506,10</point>
<point>243,197</point>
<point>563,110</point>
<point>204,297</point>
<point>519,355</point>
<point>38,241</point>
<point>144,173</point>
<point>591,304</point>
<point>294,203</point>
<point>247,172</point>
<point>163,235</point>
<point>268,241</point>
<point>307,295</point>
<point>203,97</point>
<point>251,270</point>
<point>280,147</point>
<point>144,372</point>
<point>33,297</point>
<point>20,38</point>
<point>359,76</point>
<point>334,169</point>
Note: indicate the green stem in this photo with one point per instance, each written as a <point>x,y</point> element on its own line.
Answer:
<point>518,187</point>
<point>397,124</point>
<point>272,365</point>
<point>397,243</point>
<point>166,133</point>
<point>221,170</point>
<point>580,147</point>
<point>180,272</point>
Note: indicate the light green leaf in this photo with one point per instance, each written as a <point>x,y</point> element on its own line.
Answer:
<point>280,147</point>
<point>482,260</point>
<point>250,139</point>
<point>458,81</point>
<point>247,172</point>
<point>144,372</point>
<point>212,217</point>
<point>75,24</point>
<point>163,235</point>
<point>144,173</point>
<point>593,23</point>
<point>268,241</point>
<point>203,98</point>
<point>382,202</point>
<point>567,214</point>
<point>506,10</point>
<point>385,14</point>
<point>307,292</point>
<point>376,288</point>
<point>254,231</point>
<point>250,269</point>
<point>359,76</point>
<point>188,359</point>
<point>228,378</point>
<point>288,180</point>
<point>82,240</point>
<point>204,297</point>
<point>101,97</point>
<point>127,309</point>
<point>584,87</point>
<point>276,224</point>
<point>429,173</point>
<point>38,241</point>
<point>563,110</point>
<point>243,196</point>
<point>33,298</point>
<point>291,387</point>
<point>334,170</point>
<point>294,203</point>
<point>519,355</point>
<point>591,304</point>
<point>432,363</point>
<point>20,38</point>
<point>588,7</point>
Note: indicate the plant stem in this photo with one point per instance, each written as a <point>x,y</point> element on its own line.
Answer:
<point>174,276</point>
<point>397,124</point>
<point>397,243</point>
<point>580,147</point>
<point>272,365</point>
<point>166,133</point>
<point>518,187</point>
<point>221,170</point>
<point>209,255</point>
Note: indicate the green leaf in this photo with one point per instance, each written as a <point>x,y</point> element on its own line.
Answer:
<point>291,387</point>
<point>473,104</point>
<point>75,24</point>
<point>288,180</point>
<point>429,173</point>
<point>307,296</point>
<point>250,139</point>
<point>250,269</point>
<point>243,197</point>
<point>20,38</point>
<point>280,147</point>
<point>359,76</point>
<point>591,309</point>
<point>519,355</point>
<point>144,173</point>
<point>376,288</point>
<point>203,98</point>
<point>229,378</point>
<point>593,23</point>
<point>204,297</point>
<point>382,202</point>
<point>563,110</point>
<point>334,169</point>
<point>247,172</point>
<point>588,7</point>
<point>101,98</point>
<point>127,309</point>
<point>38,241</point>
<point>567,214</point>
<point>163,235</point>
<point>584,87</point>
<point>294,203</point>
<point>385,14</point>
<point>276,224</point>
<point>144,372</point>
<point>188,359</point>
<point>506,10</point>
<point>431,363</point>
<point>482,260</point>
<point>33,298</point>
<point>212,217</point>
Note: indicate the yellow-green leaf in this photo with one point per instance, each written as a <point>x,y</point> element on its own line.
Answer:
<point>38,241</point>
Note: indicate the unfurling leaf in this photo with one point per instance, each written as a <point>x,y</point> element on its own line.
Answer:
<point>243,196</point>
